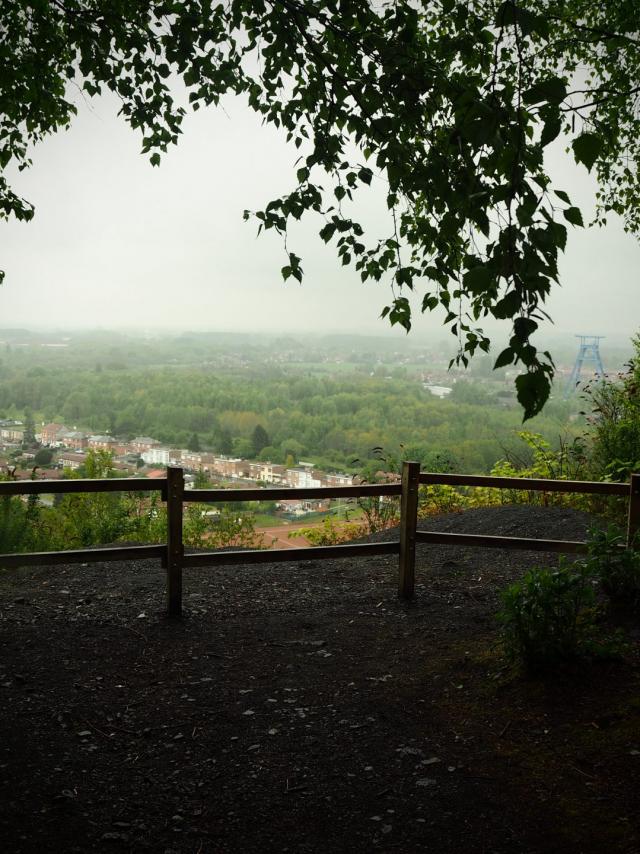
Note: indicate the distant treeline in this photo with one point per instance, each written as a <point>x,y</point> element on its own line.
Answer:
<point>348,420</point>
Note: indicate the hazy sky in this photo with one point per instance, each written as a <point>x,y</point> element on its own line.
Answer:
<point>117,243</point>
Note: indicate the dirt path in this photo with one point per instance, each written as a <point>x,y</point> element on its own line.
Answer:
<point>284,536</point>
<point>302,708</point>
<point>278,537</point>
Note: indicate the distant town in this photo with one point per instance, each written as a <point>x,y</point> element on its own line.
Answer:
<point>348,405</point>
<point>143,456</point>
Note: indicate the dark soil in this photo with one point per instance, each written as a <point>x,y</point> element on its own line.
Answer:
<point>303,708</point>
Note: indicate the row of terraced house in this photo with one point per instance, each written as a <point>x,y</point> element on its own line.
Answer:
<point>73,444</point>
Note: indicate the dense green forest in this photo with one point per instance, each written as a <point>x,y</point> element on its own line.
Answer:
<point>279,403</point>
<point>334,402</point>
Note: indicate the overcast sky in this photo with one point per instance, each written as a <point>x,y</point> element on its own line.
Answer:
<point>117,243</point>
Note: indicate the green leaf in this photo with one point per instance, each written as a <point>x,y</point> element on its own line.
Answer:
<point>510,15</point>
<point>506,14</point>
<point>509,305</point>
<point>327,232</point>
<point>523,327</point>
<point>587,148</point>
<point>479,132</point>
<point>478,279</point>
<point>574,216</point>
<point>563,196</point>
<point>551,130</point>
<point>533,390</point>
<point>155,159</point>
<point>505,358</point>
<point>552,91</point>
<point>365,175</point>
<point>401,313</point>
<point>559,233</point>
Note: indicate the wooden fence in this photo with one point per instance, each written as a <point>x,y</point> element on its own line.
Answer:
<point>173,491</point>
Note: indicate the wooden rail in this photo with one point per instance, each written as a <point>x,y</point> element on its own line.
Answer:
<point>527,484</point>
<point>285,494</point>
<point>493,542</point>
<point>277,555</point>
<point>173,491</point>
<point>83,556</point>
<point>64,487</point>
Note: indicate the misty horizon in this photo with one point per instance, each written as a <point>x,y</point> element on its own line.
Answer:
<point>118,244</point>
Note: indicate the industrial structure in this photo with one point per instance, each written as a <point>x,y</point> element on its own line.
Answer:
<point>588,354</point>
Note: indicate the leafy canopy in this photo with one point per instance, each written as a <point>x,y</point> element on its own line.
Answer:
<point>448,104</point>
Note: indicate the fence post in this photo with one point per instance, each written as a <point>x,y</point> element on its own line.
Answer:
<point>175,547</point>
<point>408,524</point>
<point>634,509</point>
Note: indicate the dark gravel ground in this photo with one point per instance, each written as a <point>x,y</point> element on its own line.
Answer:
<point>303,708</point>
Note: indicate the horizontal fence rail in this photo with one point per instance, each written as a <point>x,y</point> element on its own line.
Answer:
<point>220,558</point>
<point>284,493</point>
<point>174,559</point>
<point>83,555</point>
<point>495,542</point>
<point>62,487</point>
<point>525,484</point>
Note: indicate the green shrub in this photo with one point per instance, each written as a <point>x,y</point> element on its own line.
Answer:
<point>615,566</point>
<point>545,616</point>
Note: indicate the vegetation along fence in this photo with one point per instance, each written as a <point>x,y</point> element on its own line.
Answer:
<point>174,559</point>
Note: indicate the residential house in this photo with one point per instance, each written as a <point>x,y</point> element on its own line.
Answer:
<point>143,443</point>
<point>49,433</point>
<point>71,459</point>
<point>156,456</point>
<point>40,474</point>
<point>207,462</point>
<point>191,460</point>
<point>336,479</point>
<point>303,478</point>
<point>72,439</point>
<point>300,507</point>
<point>121,449</point>
<point>12,434</point>
<point>102,443</point>
<point>256,471</point>
<point>274,473</point>
<point>438,390</point>
<point>233,468</point>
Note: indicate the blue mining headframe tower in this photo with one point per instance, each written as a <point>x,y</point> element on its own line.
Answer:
<point>588,354</point>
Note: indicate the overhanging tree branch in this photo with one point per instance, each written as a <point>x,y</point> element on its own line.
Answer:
<point>452,103</point>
